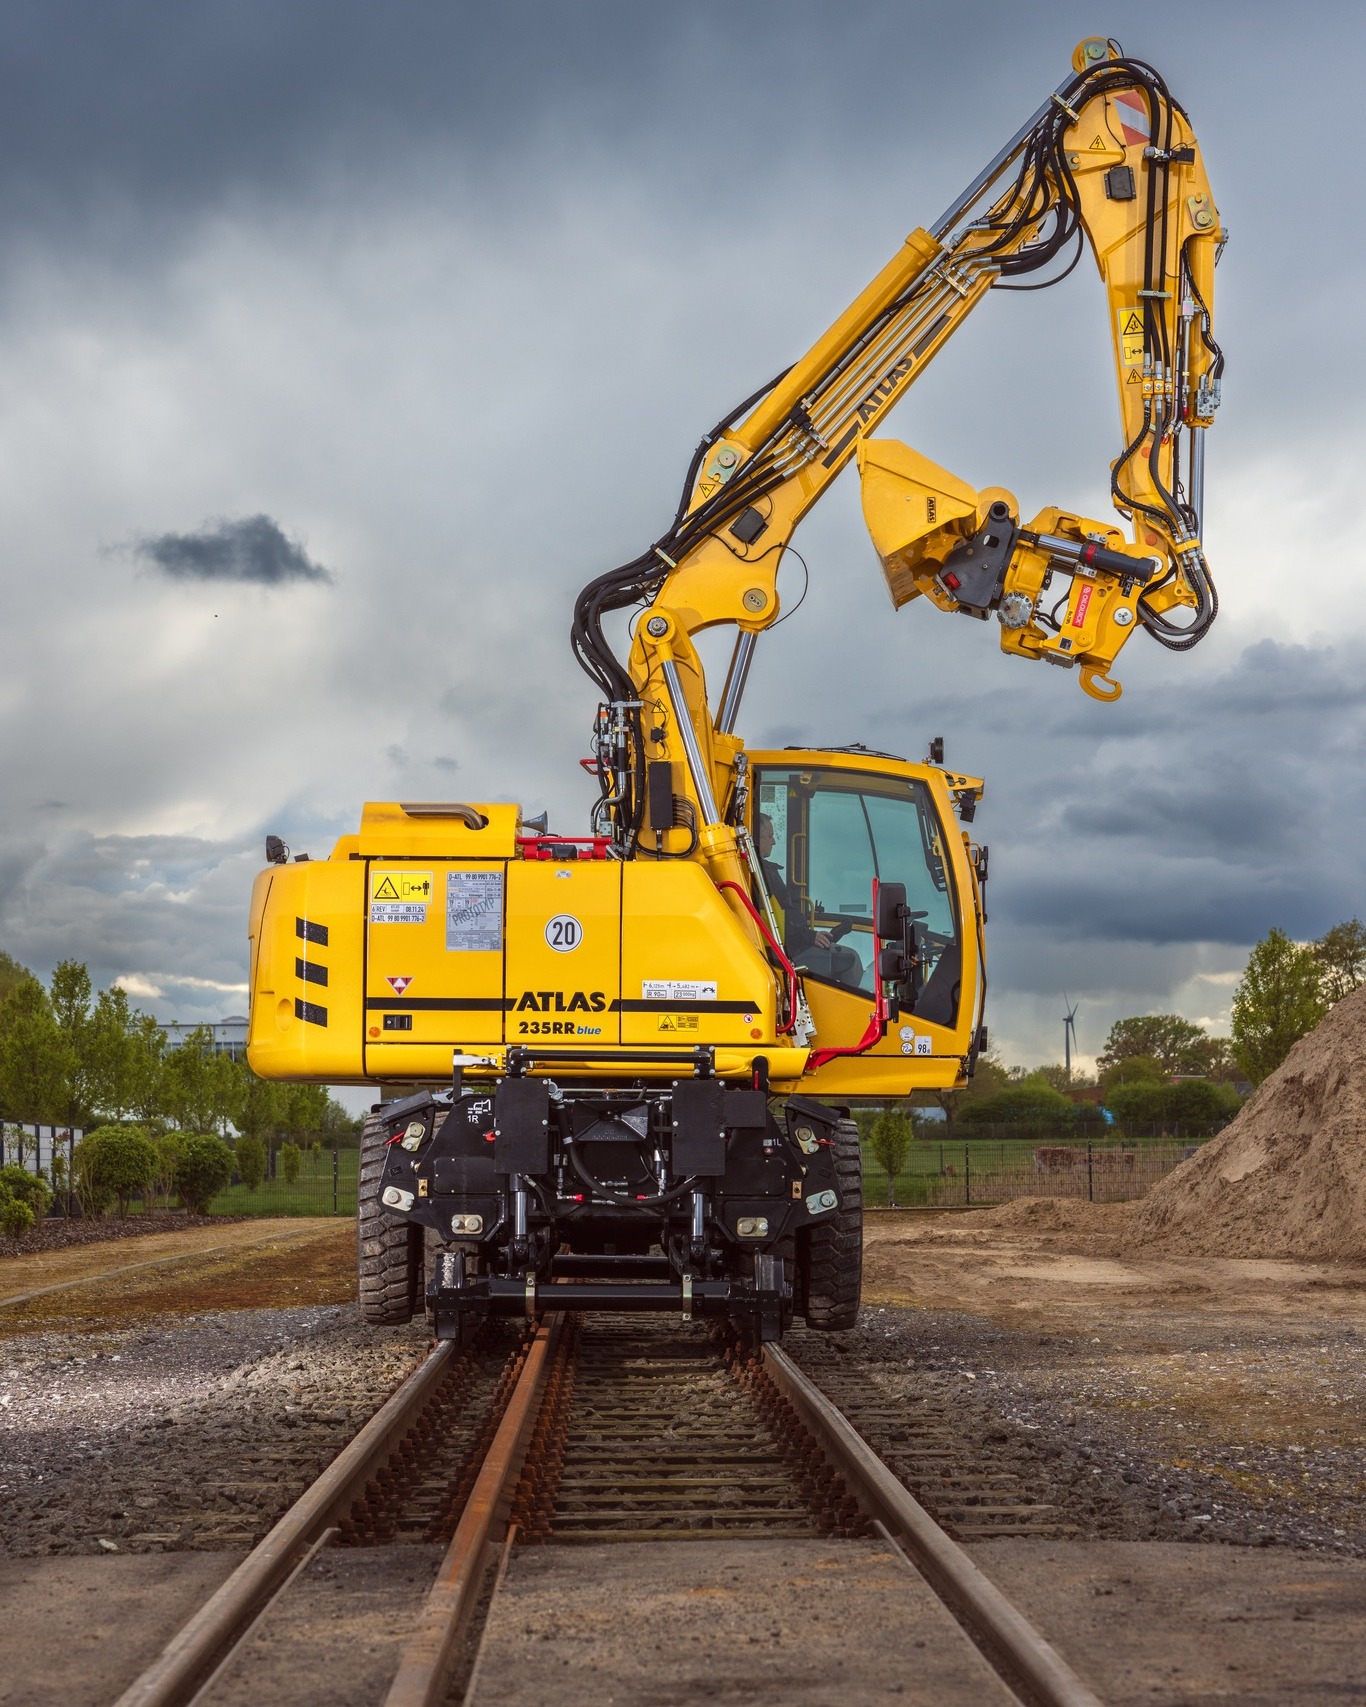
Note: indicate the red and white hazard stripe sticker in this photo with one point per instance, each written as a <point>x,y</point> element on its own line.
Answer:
<point>1132,112</point>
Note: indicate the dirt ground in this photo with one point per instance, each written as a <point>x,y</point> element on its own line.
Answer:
<point>239,1265</point>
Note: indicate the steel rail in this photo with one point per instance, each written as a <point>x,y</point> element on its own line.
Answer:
<point>1006,1637</point>
<point>220,1623</point>
<point>423,1678</point>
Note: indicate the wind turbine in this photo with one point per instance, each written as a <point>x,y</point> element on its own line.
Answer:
<point>1069,1037</point>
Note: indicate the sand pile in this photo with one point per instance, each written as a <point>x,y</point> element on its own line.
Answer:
<point>1288,1177</point>
<point>1038,1215</point>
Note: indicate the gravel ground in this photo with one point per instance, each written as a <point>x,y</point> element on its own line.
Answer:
<point>1204,1437</point>
<point>192,1435</point>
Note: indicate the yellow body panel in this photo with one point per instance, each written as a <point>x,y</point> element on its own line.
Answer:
<point>307,957</point>
<point>413,1001</point>
<point>690,973</point>
<point>564,952</point>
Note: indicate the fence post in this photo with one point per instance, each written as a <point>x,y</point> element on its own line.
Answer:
<point>1090,1181</point>
<point>967,1176</point>
<point>336,1168</point>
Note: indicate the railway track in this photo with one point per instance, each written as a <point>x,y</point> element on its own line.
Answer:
<point>584,1431</point>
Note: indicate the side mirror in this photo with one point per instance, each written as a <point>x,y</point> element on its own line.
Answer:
<point>891,911</point>
<point>893,964</point>
<point>898,955</point>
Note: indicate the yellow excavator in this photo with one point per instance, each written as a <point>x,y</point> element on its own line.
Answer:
<point>629,1056</point>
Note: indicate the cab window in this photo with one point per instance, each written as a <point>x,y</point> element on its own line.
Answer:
<point>829,833</point>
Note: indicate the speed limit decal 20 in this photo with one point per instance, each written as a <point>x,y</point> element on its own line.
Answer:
<point>564,933</point>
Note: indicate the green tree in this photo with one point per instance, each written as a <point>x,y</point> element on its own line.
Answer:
<point>114,1163</point>
<point>1033,1106</point>
<point>1177,1043</point>
<point>1197,1104</point>
<point>11,973</point>
<point>200,1084</point>
<point>890,1143</point>
<point>146,1067</point>
<point>1132,1070</point>
<point>204,1167</point>
<point>69,995</point>
<point>1055,1074</point>
<point>251,1161</point>
<point>110,1038</point>
<point>169,1146</point>
<point>989,1076</point>
<point>291,1162</point>
<point>260,1105</point>
<point>1279,1000</point>
<point>35,1061</point>
<point>1341,957</point>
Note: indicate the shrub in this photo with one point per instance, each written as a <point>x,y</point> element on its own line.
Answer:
<point>1032,1107</point>
<point>19,1185</point>
<point>291,1162</point>
<point>114,1163</point>
<point>251,1161</point>
<point>1192,1102</point>
<point>203,1168</point>
<point>169,1147</point>
<point>16,1218</point>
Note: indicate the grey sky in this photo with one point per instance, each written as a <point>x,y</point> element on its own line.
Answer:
<point>444,294</point>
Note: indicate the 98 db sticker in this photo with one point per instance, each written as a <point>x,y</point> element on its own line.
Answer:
<point>564,932</point>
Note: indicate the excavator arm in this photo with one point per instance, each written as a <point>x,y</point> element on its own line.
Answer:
<point>1110,160</point>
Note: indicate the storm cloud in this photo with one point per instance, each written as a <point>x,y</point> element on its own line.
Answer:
<point>450,293</point>
<point>253,548</point>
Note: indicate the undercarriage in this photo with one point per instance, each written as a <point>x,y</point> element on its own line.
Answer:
<point>692,1197</point>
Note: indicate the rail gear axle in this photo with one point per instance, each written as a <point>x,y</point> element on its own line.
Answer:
<point>633,1052</point>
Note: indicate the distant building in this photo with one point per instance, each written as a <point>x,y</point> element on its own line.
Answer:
<point>229,1035</point>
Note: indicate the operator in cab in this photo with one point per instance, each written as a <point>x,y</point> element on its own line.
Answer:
<point>818,952</point>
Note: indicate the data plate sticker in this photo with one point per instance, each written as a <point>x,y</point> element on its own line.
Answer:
<point>474,912</point>
<point>676,990</point>
<point>397,913</point>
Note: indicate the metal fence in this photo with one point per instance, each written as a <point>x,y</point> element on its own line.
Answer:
<point>958,1175</point>
<point>31,1144</point>
<point>326,1185</point>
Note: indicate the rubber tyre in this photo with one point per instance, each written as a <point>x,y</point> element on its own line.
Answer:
<point>388,1252</point>
<point>834,1251</point>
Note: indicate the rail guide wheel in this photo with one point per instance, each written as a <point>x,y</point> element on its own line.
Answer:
<point>388,1252</point>
<point>832,1254</point>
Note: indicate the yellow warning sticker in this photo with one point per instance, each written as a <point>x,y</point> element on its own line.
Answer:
<point>679,1022</point>
<point>1130,337</point>
<point>1097,145</point>
<point>412,886</point>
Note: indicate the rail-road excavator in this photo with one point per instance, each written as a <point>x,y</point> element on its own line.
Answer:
<point>629,1056</point>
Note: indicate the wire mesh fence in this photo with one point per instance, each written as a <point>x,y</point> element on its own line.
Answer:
<point>957,1175</point>
<point>324,1185</point>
